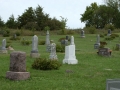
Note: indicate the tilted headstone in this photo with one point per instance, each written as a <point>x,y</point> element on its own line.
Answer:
<point>34,52</point>
<point>17,69</point>
<point>3,47</point>
<point>113,84</point>
<point>53,55</point>
<point>109,32</point>
<point>47,43</point>
<point>82,34</point>
<point>70,57</point>
<point>97,44</point>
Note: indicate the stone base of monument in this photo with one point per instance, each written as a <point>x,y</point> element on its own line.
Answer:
<point>82,36</point>
<point>17,75</point>
<point>70,61</point>
<point>4,51</point>
<point>35,55</point>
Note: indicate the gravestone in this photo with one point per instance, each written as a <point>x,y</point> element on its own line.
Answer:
<point>82,34</point>
<point>3,47</point>
<point>67,38</point>
<point>117,46</point>
<point>15,36</point>
<point>17,69</point>
<point>47,43</point>
<point>34,52</point>
<point>97,44</point>
<point>113,84</point>
<point>64,42</point>
<point>53,55</point>
<point>109,32</point>
<point>70,57</point>
<point>104,52</point>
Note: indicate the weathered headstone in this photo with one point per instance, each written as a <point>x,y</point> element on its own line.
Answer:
<point>109,32</point>
<point>17,69</point>
<point>53,55</point>
<point>47,43</point>
<point>118,47</point>
<point>97,44</point>
<point>82,34</point>
<point>34,52</point>
<point>70,57</point>
<point>64,42</point>
<point>113,84</point>
<point>104,52</point>
<point>3,47</point>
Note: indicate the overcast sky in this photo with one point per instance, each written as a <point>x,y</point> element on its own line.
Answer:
<point>70,9</point>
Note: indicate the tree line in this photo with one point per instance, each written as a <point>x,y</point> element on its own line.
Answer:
<point>101,15</point>
<point>33,19</point>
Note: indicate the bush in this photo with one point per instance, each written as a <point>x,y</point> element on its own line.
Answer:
<point>44,64</point>
<point>17,33</point>
<point>60,48</point>
<point>92,30</point>
<point>109,26</point>
<point>26,42</point>
<point>13,38</point>
<point>101,35</point>
<point>6,33</point>
<point>41,42</point>
<point>70,32</point>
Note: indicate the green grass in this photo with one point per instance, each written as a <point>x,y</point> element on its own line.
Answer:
<point>90,73</point>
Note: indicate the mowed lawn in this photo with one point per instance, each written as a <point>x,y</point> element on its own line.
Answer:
<point>90,73</point>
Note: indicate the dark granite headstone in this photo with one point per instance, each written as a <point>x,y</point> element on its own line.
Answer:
<point>113,84</point>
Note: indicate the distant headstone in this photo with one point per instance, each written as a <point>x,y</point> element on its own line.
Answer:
<point>67,38</point>
<point>97,44</point>
<point>82,34</point>
<point>15,36</point>
<point>53,55</point>
<point>3,47</point>
<point>70,57</point>
<point>47,43</point>
<point>109,32</point>
<point>113,84</point>
<point>17,69</point>
<point>104,52</point>
<point>64,42</point>
<point>34,52</point>
<point>117,46</point>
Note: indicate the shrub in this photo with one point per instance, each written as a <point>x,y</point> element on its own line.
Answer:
<point>13,38</point>
<point>17,33</point>
<point>109,26</point>
<point>101,35</point>
<point>41,42</point>
<point>60,48</point>
<point>6,33</point>
<point>26,42</point>
<point>44,64</point>
<point>92,30</point>
<point>70,32</point>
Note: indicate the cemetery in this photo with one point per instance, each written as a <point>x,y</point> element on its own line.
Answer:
<point>81,67</point>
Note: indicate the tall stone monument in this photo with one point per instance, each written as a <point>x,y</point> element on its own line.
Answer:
<point>47,43</point>
<point>34,52</point>
<point>70,57</point>
<point>53,55</point>
<point>17,69</point>
<point>3,47</point>
<point>97,44</point>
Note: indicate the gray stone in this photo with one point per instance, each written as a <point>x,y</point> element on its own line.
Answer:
<point>97,44</point>
<point>47,43</point>
<point>104,52</point>
<point>82,34</point>
<point>117,46</point>
<point>109,32</point>
<point>3,47</point>
<point>72,40</point>
<point>53,55</point>
<point>17,69</point>
<point>64,42</point>
<point>18,61</point>
<point>113,84</point>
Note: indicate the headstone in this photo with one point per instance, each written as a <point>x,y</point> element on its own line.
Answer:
<point>97,44</point>
<point>104,52</point>
<point>70,57</point>
<point>118,47</point>
<point>34,52</point>
<point>53,55</point>
<point>67,38</point>
<point>17,69</point>
<point>113,84</point>
<point>109,32</point>
<point>64,42</point>
<point>3,47</point>
<point>82,34</point>
<point>47,43</point>
<point>15,36</point>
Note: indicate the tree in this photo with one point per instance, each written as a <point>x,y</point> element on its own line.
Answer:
<point>11,22</point>
<point>1,23</point>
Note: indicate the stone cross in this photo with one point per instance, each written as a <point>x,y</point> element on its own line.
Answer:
<point>17,69</point>
<point>53,55</point>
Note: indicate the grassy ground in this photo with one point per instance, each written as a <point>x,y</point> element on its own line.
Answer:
<point>90,73</point>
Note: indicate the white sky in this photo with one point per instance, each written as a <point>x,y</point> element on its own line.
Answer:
<point>70,9</point>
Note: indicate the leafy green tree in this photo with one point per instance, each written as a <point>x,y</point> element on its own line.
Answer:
<point>11,22</point>
<point>1,23</point>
